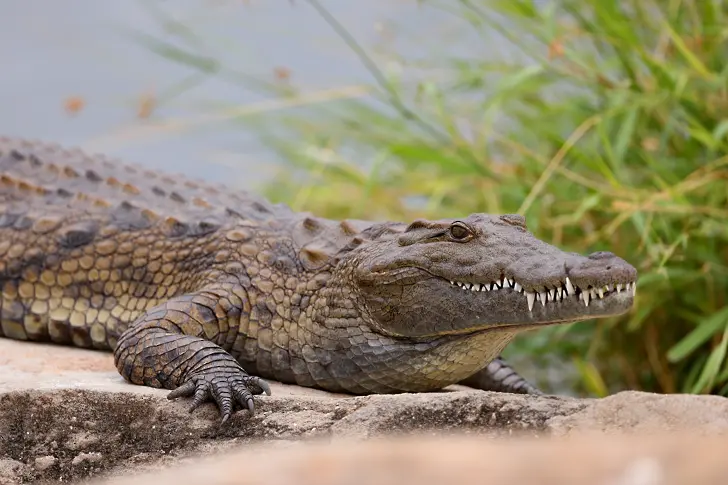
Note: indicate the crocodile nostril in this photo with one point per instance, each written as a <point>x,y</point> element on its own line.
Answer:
<point>601,255</point>
<point>608,268</point>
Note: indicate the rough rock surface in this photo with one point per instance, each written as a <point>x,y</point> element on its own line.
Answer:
<point>580,460</point>
<point>66,414</point>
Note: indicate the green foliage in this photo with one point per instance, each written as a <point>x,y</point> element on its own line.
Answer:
<point>605,125</point>
<point>607,130</point>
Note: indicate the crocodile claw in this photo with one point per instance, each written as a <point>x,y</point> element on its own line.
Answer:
<point>226,387</point>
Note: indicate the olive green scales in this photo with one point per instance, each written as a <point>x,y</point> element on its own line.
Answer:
<point>208,290</point>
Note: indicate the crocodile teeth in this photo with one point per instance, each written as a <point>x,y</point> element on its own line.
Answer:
<point>553,295</point>
<point>569,287</point>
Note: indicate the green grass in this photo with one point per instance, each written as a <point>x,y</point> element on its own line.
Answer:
<point>607,129</point>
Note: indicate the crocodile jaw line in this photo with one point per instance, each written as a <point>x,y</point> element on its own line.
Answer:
<point>551,296</point>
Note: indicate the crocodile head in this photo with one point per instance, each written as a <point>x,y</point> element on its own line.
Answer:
<point>460,276</point>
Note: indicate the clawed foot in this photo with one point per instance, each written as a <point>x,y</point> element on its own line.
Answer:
<point>226,387</point>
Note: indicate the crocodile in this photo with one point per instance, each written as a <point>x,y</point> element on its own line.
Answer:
<point>209,291</point>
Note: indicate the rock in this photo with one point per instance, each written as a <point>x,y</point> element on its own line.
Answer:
<point>87,458</point>
<point>42,463</point>
<point>11,471</point>
<point>616,459</point>
<point>71,404</point>
<point>643,412</point>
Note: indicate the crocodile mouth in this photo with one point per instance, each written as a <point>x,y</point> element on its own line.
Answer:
<point>552,297</point>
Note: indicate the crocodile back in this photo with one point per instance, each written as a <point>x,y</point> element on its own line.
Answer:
<point>88,244</point>
<point>38,178</point>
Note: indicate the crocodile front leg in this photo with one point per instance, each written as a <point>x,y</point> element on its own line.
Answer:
<point>179,345</point>
<point>501,377</point>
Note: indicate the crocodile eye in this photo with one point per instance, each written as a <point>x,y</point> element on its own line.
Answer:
<point>460,231</point>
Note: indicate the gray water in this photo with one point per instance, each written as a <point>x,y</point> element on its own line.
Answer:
<point>51,50</point>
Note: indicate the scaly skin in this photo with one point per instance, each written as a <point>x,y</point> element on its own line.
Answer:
<point>206,291</point>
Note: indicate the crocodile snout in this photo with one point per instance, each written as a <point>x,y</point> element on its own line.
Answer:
<point>599,269</point>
